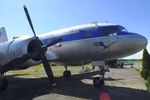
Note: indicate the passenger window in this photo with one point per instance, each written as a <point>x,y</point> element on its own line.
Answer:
<point>87,32</point>
<point>81,31</point>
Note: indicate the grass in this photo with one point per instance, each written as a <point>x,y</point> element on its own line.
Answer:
<point>148,83</point>
<point>148,86</point>
<point>38,71</point>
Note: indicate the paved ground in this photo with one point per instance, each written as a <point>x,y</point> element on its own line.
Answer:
<point>121,84</point>
<point>126,77</point>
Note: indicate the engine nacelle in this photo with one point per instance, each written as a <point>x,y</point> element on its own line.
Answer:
<point>22,46</point>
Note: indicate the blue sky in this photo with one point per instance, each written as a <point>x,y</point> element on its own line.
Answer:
<point>48,15</point>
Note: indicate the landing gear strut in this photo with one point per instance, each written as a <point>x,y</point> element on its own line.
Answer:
<point>99,81</point>
<point>3,83</point>
<point>66,73</point>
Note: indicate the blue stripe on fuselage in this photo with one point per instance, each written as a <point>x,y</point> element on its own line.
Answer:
<point>82,34</point>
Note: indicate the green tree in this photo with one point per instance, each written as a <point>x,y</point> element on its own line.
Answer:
<point>145,72</point>
<point>146,59</point>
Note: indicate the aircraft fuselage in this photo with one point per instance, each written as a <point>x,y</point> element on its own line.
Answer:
<point>81,44</point>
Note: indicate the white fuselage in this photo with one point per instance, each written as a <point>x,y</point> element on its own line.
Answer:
<point>79,46</point>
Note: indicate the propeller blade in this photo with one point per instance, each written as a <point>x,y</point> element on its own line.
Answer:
<point>46,65</point>
<point>55,41</point>
<point>29,20</point>
<point>14,63</point>
<point>48,70</point>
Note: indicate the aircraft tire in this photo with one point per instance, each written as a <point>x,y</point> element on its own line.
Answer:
<point>3,84</point>
<point>98,82</point>
<point>67,73</point>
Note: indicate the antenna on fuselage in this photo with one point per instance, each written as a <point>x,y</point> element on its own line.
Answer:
<point>95,23</point>
<point>106,21</point>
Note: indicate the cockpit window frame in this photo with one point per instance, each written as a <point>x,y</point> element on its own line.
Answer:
<point>122,29</point>
<point>111,30</point>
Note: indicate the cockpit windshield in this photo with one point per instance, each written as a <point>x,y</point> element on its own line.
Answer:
<point>122,29</point>
<point>112,30</point>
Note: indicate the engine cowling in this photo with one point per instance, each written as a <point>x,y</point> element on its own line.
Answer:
<point>22,46</point>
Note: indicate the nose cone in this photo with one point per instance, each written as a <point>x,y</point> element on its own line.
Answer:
<point>131,44</point>
<point>141,42</point>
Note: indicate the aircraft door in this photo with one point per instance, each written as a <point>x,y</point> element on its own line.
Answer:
<point>111,37</point>
<point>112,43</point>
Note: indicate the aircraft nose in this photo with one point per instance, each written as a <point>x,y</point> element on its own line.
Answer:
<point>132,44</point>
<point>141,42</point>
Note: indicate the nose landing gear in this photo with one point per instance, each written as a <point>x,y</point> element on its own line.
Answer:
<point>66,73</point>
<point>99,81</point>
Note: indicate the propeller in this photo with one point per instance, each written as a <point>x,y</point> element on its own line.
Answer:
<point>31,25</point>
<point>29,19</point>
<point>45,62</point>
<point>41,51</point>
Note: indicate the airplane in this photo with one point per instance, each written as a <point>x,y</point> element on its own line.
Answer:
<point>93,43</point>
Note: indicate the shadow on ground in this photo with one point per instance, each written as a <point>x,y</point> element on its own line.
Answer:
<point>28,89</point>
